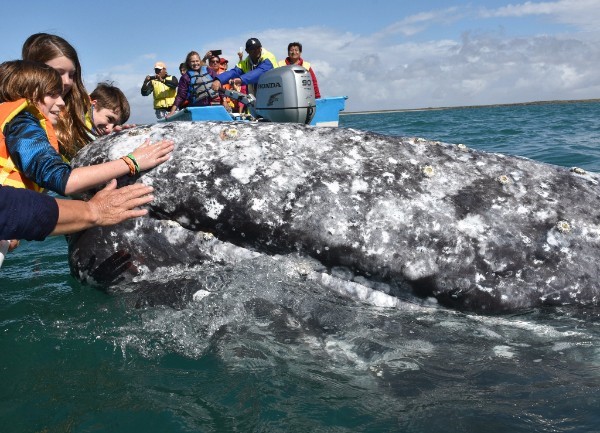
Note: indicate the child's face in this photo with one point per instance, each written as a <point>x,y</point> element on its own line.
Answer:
<point>105,120</point>
<point>66,69</point>
<point>51,106</point>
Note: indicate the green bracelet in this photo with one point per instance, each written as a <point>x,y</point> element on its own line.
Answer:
<point>137,167</point>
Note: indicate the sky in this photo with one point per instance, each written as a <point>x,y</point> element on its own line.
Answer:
<point>381,54</point>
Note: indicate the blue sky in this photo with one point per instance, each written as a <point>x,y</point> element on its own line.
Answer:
<point>382,54</point>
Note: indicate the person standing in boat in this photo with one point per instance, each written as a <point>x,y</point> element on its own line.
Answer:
<point>163,87</point>
<point>295,58</point>
<point>249,70</point>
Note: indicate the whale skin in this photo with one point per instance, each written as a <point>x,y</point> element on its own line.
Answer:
<point>406,216</point>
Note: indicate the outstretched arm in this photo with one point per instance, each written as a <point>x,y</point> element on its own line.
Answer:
<point>109,206</point>
<point>147,156</point>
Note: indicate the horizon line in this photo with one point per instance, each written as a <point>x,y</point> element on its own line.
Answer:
<point>400,110</point>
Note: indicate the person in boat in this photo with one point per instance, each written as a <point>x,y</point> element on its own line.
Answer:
<point>249,70</point>
<point>110,108</point>
<point>214,66</point>
<point>33,216</point>
<point>163,87</point>
<point>30,107</point>
<point>194,88</point>
<point>223,65</point>
<point>73,129</point>
<point>295,58</point>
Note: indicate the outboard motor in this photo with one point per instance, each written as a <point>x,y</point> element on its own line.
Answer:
<point>285,94</point>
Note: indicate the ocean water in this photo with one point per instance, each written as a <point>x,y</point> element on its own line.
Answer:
<point>268,352</point>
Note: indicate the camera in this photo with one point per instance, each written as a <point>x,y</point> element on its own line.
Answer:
<point>216,52</point>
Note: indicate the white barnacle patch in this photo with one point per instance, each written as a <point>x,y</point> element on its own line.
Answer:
<point>359,185</point>
<point>334,186</point>
<point>472,226</point>
<point>577,170</point>
<point>462,147</point>
<point>428,171</point>
<point>258,204</point>
<point>392,161</point>
<point>563,227</point>
<point>503,179</point>
<point>199,295</point>
<point>388,177</point>
<point>243,174</point>
<point>525,239</point>
<point>213,208</point>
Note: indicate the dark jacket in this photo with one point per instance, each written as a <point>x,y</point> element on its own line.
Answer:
<point>26,214</point>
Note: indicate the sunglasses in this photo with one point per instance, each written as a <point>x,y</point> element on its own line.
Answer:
<point>214,61</point>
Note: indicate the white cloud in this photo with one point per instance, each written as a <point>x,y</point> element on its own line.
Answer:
<point>581,13</point>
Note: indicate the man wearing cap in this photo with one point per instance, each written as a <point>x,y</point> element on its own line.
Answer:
<point>163,87</point>
<point>249,70</point>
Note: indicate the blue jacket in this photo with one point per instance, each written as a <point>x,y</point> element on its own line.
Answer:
<point>26,214</point>
<point>248,72</point>
<point>33,154</point>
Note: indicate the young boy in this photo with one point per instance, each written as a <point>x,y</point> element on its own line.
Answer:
<point>110,108</point>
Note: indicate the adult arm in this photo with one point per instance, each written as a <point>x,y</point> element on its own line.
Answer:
<point>33,216</point>
<point>109,206</point>
<point>251,77</point>
<point>147,88</point>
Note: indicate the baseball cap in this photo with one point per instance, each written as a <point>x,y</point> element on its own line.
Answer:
<point>160,65</point>
<point>252,43</point>
<point>223,60</point>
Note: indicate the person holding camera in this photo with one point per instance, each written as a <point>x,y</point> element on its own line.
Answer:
<point>163,87</point>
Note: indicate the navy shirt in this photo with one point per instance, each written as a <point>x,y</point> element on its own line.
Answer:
<point>26,214</point>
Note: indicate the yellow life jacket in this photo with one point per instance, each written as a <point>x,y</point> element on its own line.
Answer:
<point>9,174</point>
<point>246,64</point>
<point>164,96</point>
<point>305,64</point>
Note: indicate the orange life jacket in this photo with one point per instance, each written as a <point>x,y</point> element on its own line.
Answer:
<point>9,174</point>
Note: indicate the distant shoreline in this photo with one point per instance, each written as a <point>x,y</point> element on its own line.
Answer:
<point>400,110</point>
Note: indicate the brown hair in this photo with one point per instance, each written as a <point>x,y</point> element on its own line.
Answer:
<point>71,129</point>
<point>29,80</point>
<point>189,56</point>
<point>112,98</point>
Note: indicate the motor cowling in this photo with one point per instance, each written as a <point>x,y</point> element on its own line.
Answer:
<point>285,94</point>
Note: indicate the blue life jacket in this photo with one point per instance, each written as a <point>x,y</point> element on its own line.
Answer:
<point>200,85</point>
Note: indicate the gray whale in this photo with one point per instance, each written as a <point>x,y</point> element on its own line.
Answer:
<point>405,216</point>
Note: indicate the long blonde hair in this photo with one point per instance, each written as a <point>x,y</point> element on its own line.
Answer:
<point>71,129</point>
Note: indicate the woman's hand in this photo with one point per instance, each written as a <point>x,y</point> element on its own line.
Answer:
<point>150,155</point>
